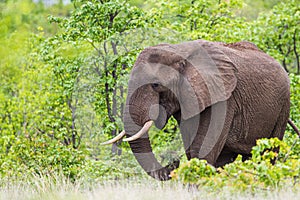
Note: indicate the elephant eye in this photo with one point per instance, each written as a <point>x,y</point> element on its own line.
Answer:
<point>155,85</point>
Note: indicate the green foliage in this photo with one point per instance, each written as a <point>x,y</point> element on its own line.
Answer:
<point>295,98</point>
<point>118,167</point>
<point>48,99</point>
<point>193,170</point>
<point>39,155</point>
<point>205,19</point>
<point>31,121</point>
<point>167,143</point>
<point>260,7</point>
<point>255,174</point>
<point>99,60</point>
<point>62,85</point>
<point>282,40</point>
<point>276,32</point>
<point>97,22</point>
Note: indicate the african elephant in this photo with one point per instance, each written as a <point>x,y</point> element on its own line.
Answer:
<point>223,96</point>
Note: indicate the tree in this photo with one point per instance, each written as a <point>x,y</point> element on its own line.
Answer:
<point>100,29</point>
<point>278,34</point>
<point>205,19</point>
<point>28,102</point>
<point>14,47</point>
<point>253,8</point>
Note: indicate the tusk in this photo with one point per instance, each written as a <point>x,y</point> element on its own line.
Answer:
<point>144,130</point>
<point>115,139</point>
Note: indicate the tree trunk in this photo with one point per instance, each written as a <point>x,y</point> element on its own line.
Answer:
<point>296,53</point>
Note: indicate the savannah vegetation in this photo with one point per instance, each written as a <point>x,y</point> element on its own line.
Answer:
<point>63,78</point>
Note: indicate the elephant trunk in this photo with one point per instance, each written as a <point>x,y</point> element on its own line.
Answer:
<point>142,149</point>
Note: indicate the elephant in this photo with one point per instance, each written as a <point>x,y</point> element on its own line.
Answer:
<point>224,96</point>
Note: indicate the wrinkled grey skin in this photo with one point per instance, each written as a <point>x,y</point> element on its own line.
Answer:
<point>224,96</point>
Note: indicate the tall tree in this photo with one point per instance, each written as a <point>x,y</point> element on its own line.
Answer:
<point>101,29</point>
<point>278,34</point>
<point>204,19</point>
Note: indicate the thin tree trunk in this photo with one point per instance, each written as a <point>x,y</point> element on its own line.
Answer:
<point>115,149</point>
<point>284,65</point>
<point>296,53</point>
<point>285,56</point>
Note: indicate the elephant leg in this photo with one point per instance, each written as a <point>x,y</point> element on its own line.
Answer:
<point>189,133</point>
<point>246,157</point>
<point>205,138</point>
<point>226,156</point>
<point>280,125</point>
<point>282,121</point>
<point>220,123</point>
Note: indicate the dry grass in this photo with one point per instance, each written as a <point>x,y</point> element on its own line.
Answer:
<point>56,188</point>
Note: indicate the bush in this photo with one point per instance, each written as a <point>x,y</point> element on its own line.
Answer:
<point>41,155</point>
<point>254,174</point>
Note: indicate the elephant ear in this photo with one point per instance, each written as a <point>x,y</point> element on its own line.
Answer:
<point>207,76</point>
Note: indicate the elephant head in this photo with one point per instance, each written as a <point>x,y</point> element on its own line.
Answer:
<point>166,80</point>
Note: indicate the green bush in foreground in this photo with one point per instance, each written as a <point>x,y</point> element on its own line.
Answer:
<point>253,174</point>
<point>40,155</point>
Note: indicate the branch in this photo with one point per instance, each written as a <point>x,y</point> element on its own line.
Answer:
<point>285,54</point>
<point>112,17</point>
<point>296,53</point>
<point>125,26</point>
<point>74,131</point>
<point>213,20</point>
<point>108,106</point>
<point>94,46</point>
<point>98,72</point>
<point>114,47</point>
<point>105,48</point>
<point>125,48</point>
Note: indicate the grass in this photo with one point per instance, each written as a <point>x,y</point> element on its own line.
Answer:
<point>56,188</point>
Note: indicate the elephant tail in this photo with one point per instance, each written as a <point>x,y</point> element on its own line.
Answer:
<point>291,123</point>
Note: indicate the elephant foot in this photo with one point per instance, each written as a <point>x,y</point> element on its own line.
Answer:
<point>225,157</point>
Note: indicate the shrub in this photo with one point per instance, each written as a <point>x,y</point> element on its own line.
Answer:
<point>254,174</point>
